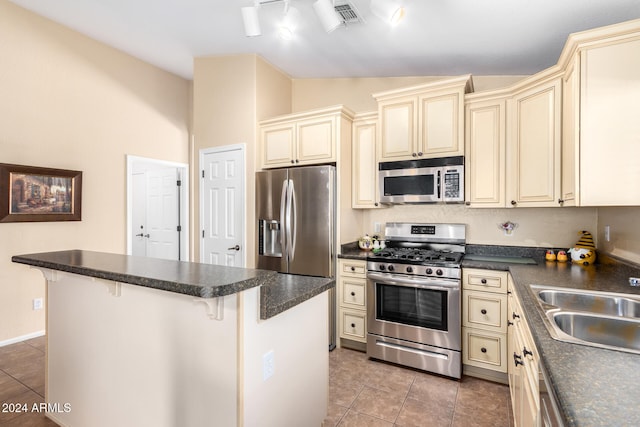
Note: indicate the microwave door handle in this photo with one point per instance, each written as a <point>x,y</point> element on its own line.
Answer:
<point>439,185</point>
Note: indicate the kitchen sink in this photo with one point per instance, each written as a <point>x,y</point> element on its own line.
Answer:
<point>597,319</point>
<point>618,333</point>
<point>593,302</point>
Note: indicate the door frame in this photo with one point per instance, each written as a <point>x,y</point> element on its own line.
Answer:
<point>132,162</point>
<point>242,147</point>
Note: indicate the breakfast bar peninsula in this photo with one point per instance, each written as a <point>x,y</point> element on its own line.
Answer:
<point>134,341</point>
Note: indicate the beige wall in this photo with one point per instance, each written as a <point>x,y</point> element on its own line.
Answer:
<point>624,232</point>
<point>70,102</point>
<point>230,94</point>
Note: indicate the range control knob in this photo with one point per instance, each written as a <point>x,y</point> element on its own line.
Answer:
<point>381,267</point>
<point>439,272</point>
<point>390,268</point>
<point>429,271</point>
<point>409,269</point>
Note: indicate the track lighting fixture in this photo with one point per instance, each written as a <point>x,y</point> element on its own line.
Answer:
<point>390,11</point>
<point>326,12</point>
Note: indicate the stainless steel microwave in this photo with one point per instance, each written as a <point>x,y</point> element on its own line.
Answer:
<point>422,181</point>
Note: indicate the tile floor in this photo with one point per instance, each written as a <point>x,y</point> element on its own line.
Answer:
<point>22,383</point>
<point>368,393</point>
<point>362,392</point>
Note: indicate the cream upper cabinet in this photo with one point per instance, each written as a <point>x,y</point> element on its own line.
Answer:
<point>485,142</point>
<point>304,138</point>
<point>423,121</point>
<point>364,170</point>
<point>533,166</point>
<point>601,127</point>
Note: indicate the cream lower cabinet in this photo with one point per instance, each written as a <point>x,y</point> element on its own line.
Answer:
<point>307,138</point>
<point>352,297</point>
<point>523,368</point>
<point>484,314</point>
<point>364,171</point>
<point>533,166</point>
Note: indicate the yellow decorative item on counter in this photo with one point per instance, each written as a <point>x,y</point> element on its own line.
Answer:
<point>562,256</point>
<point>550,255</point>
<point>584,251</point>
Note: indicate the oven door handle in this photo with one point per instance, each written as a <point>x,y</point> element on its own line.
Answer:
<point>395,280</point>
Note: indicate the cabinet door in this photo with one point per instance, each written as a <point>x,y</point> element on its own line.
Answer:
<point>316,140</point>
<point>277,145</point>
<point>609,125</point>
<point>570,132</point>
<point>535,146</point>
<point>441,125</point>
<point>398,131</point>
<point>485,164</point>
<point>364,169</point>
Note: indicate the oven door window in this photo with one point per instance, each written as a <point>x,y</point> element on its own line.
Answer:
<point>424,308</point>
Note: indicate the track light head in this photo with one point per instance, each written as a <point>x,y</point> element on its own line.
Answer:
<point>329,18</point>
<point>390,11</point>
<point>251,21</point>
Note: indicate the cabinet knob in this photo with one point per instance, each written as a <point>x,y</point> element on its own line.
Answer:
<point>353,325</point>
<point>526,352</point>
<point>419,153</point>
<point>483,281</point>
<point>414,154</point>
<point>513,203</point>
<point>517,360</point>
<point>297,161</point>
<point>293,161</point>
<point>375,204</point>
<point>560,201</point>
<point>483,311</point>
<point>467,203</point>
<point>515,316</point>
<point>484,350</point>
<point>353,294</point>
<point>509,323</point>
<point>353,268</point>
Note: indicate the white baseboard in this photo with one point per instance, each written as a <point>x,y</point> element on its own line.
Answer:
<point>22,338</point>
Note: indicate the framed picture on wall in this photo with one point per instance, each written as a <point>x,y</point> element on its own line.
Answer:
<point>35,194</point>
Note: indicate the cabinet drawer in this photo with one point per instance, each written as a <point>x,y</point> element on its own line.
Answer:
<point>484,280</point>
<point>353,292</point>
<point>484,349</point>
<point>353,268</point>
<point>353,325</point>
<point>485,310</point>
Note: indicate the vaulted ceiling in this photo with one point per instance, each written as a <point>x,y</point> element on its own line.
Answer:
<point>437,37</point>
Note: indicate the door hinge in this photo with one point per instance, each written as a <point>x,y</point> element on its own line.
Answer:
<point>203,173</point>
<point>179,228</point>
<point>179,183</point>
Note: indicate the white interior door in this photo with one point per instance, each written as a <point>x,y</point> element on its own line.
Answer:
<point>157,209</point>
<point>163,232</point>
<point>222,194</point>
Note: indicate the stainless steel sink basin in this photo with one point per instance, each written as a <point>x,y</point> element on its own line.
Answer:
<point>593,302</point>
<point>617,333</point>
<point>597,319</point>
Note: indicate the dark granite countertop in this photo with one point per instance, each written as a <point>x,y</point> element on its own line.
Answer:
<point>593,386</point>
<point>279,291</point>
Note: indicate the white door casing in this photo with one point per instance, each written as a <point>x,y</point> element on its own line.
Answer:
<point>157,208</point>
<point>222,205</point>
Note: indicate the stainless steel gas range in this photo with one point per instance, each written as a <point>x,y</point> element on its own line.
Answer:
<point>413,297</point>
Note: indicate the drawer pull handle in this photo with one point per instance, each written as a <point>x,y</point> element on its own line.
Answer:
<point>525,351</point>
<point>517,359</point>
<point>509,323</point>
<point>515,316</point>
<point>483,281</point>
<point>483,311</point>
<point>484,350</point>
<point>353,325</point>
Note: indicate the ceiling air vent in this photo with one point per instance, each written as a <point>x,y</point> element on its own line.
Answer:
<point>348,12</point>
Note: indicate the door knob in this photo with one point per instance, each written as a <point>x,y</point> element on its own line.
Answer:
<point>235,248</point>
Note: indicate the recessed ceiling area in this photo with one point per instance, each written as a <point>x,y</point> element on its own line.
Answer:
<point>435,38</point>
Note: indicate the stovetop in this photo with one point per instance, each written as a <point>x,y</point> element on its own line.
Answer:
<point>417,256</point>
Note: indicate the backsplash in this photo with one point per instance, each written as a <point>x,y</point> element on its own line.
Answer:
<point>624,232</point>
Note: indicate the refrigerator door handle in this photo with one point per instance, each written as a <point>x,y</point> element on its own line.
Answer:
<point>283,230</point>
<point>293,225</point>
<point>288,219</point>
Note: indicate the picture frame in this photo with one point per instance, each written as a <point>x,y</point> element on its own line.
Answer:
<point>37,194</point>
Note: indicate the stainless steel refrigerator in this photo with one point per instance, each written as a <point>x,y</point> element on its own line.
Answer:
<point>295,209</point>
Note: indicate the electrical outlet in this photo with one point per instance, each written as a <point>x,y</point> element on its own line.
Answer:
<point>377,228</point>
<point>37,303</point>
<point>607,233</point>
<point>267,365</point>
